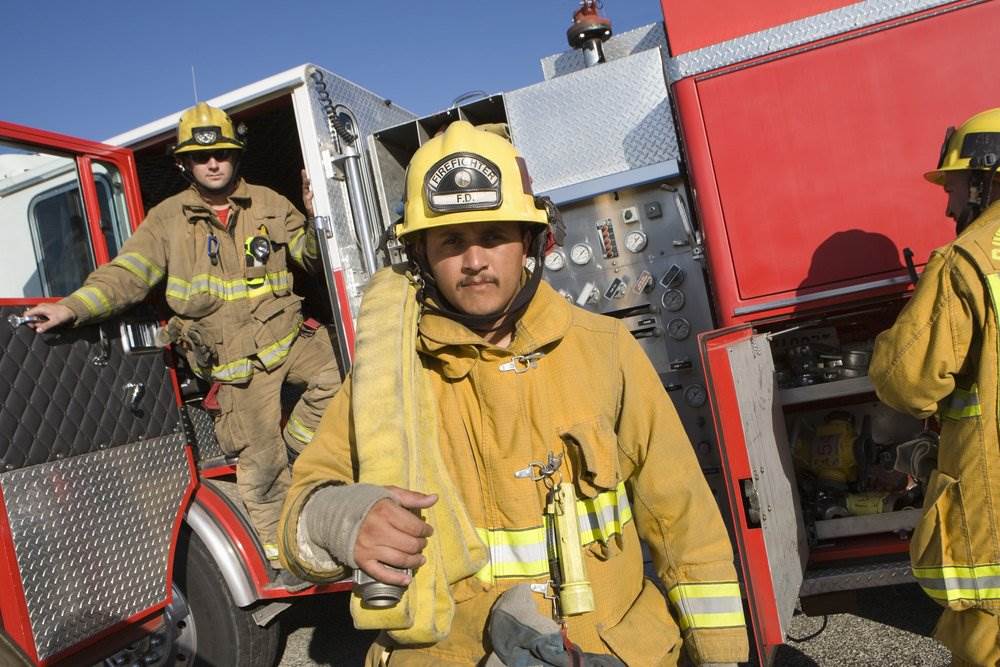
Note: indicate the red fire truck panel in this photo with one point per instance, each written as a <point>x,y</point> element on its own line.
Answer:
<point>766,138</point>
<point>693,25</point>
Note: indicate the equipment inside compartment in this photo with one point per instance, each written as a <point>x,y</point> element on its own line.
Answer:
<point>843,441</point>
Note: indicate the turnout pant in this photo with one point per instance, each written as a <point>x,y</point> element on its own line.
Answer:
<point>972,636</point>
<point>249,425</point>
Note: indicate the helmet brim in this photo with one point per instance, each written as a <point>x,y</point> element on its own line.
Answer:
<point>212,147</point>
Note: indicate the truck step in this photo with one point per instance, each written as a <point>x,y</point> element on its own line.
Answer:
<point>854,577</point>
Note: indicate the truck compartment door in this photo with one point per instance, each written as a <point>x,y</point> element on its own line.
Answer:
<point>93,465</point>
<point>760,479</point>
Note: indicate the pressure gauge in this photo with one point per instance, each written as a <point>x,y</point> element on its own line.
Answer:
<point>635,241</point>
<point>695,396</point>
<point>555,261</point>
<point>581,254</point>
<point>673,300</point>
<point>678,328</point>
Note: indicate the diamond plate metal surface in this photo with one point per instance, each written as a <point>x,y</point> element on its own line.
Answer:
<point>92,536</point>
<point>628,43</point>
<point>56,403</point>
<point>794,33</point>
<point>856,577</point>
<point>200,428</point>
<point>595,122</point>
<point>372,113</point>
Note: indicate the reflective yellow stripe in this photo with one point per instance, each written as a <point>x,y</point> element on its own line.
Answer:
<point>227,290</point>
<point>271,357</point>
<point>297,244</point>
<point>234,371</point>
<point>275,353</point>
<point>143,269</point>
<point>976,583</point>
<point>963,404</point>
<point>604,515</point>
<point>94,300</point>
<point>298,430</point>
<point>708,605</point>
<point>523,554</point>
<point>993,283</point>
<point>514,554</point>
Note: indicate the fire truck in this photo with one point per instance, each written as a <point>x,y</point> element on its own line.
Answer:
<point>743,190</point>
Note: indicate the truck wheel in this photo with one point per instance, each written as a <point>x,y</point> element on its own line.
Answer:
<point>215,630</point>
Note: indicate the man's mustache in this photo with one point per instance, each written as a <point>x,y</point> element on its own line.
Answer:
<point>478,280</point>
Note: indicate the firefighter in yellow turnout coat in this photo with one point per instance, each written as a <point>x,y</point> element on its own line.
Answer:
<point>942,357</point>
<point>517,375</point>
<point>223,247</point>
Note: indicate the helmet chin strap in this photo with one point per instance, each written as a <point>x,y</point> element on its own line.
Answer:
<point>433,300</point>
<point>980,194</point>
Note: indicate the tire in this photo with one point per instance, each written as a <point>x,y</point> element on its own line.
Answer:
<point>223,633</point>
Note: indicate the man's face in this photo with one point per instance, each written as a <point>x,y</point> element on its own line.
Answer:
<point>212,170</point>
<point>478,265</point>
<point>956,184</point>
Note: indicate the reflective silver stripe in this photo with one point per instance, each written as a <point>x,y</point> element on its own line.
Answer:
<point>514,554</point>
<point>963,403</point>
<point>978,583</point>
<point>94,300</point>
<point>297,244</point>
<point>708,605</point>
<point>604,515</point>
<point>272,355</point>
<point>795,33</point>
<point>141,267</point>
<point>234,371</point>
<point>227,290</point>
<point>522,553</point>
<point>297,430</point>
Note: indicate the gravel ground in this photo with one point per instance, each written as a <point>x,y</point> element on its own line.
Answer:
<point>888,627</point>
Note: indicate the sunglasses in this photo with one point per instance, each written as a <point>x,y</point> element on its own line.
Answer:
<point>219,155</point>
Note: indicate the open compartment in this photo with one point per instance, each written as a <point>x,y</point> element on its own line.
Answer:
<point>809,453</point>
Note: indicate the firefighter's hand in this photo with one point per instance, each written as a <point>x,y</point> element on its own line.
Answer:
<point>393,535</point>
<point>307,195</point>
<point>51,315</point>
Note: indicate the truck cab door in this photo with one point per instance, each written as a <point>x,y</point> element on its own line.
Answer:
<point>765,513</point>
<point>94,468</point>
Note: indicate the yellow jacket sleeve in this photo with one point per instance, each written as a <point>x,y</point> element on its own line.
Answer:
<point>915,362</point>
<point>303,246</point>
<point>329,458</point>
<point>126,279</point>
<point>677,516</point>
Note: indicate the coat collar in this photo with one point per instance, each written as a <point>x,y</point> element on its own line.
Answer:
<point>195,208</point>
<point>457,348</point>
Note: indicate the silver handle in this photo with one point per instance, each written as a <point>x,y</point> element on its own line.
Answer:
<point>133,392</point>
<point>17,320</point>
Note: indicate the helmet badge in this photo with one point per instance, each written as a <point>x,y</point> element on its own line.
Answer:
<point>206,136</point>
<point>463,182</point>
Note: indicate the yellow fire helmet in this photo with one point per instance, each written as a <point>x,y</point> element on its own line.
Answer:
<point>975,145</point>
<point>467,174</point>
<point>203,128</point>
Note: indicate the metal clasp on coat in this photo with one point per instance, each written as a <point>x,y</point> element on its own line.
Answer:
<point>522,362</point>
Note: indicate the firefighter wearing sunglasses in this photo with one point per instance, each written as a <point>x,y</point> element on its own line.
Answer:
<point>223,247</point>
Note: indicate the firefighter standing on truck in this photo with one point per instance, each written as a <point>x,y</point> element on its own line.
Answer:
<point>520,448</point>
<point>942,357</point>
<point>224,246</point>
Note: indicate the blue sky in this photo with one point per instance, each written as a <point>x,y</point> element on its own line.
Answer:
<point>97,69</point>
